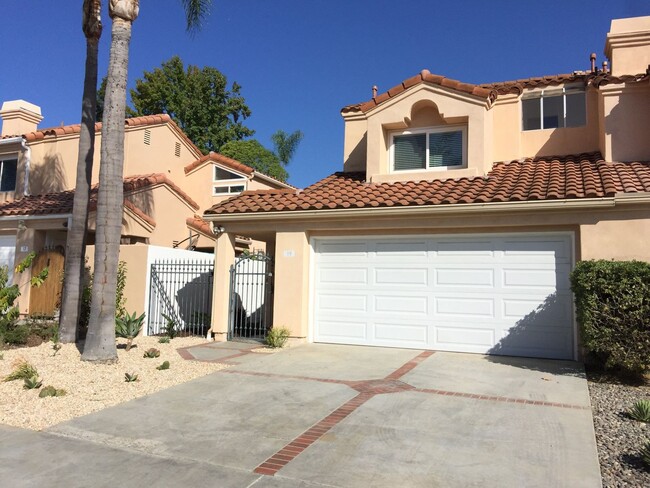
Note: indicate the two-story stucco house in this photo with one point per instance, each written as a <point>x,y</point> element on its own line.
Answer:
<point>168,183</point>
<point>461,210</point>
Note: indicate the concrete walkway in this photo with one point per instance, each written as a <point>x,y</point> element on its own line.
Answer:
<point>327,415</point>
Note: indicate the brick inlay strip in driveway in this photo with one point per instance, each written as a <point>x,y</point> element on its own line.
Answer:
<point>287,454</point>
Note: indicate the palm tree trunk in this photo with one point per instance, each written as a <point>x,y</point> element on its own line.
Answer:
<point>100,341</point>
<point>75,254</point>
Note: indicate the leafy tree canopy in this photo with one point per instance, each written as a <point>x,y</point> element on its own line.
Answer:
<point>253,154</point>
<point>198,100</point>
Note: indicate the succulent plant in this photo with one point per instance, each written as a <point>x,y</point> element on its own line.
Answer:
<point>50,391</point>
<point>164,365</point>
<point>152,353</point>
<point>164,340</point>
<point>22,371</point>
<point>640,411</point>
<point>32,383</point>
<point>130,377</point>
<point>128,326</point>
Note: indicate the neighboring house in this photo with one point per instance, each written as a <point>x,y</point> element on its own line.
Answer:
<point>168,183</point>
<point>461,211</point>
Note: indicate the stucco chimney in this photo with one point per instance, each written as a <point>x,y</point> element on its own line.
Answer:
<point>19,117</point>
<point>628,45</point>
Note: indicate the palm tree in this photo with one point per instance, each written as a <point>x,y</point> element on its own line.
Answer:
<point>76,243</point>
<point>100,341</point>
<point>286,144</point>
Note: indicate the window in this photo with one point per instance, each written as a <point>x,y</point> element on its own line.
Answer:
<point>554,108</point>
<point>443,148</point>
<point>227,182</point>
<point>8,169</point>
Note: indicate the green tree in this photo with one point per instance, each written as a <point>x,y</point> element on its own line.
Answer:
<point>197,99</point>
<point>76,240</point>
<point>253,154</point>
<point>285,145</point>
<point>100,341</point>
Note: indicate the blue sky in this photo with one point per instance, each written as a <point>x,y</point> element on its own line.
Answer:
<point>300,61</point>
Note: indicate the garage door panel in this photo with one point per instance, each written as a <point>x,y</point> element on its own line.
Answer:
<point>390,333</point>
<point>412,305</point>
<point>343,275</point>
<point>342,303</point>
<point>498,294</point>
<point>453,338</point>
<point>401,276</point>
<point>464,277</point>
<point>465,307</point>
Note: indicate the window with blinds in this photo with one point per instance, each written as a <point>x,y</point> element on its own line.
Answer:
<point>432,149</point>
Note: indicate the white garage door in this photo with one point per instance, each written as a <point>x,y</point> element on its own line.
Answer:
<point>7,251</point>
<point>495,294</point>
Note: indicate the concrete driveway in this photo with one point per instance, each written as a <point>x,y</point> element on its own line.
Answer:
<point>327,415</point>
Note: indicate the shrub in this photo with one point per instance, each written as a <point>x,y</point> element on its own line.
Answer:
<point>164,340</point>
<point>50,391</point>
<point>613,311</point>
<point>22,371</point>
<point>640,411</point>
<point>152,353</point>
<point>163,366</point>
<point>32,383</point>
<point>645,454</point>
<point>130,377</point>
<point>277,337</point>
<point>171,329</point>
<point>128,327</point>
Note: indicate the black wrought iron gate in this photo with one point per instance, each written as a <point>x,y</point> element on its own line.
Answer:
<point>251,296</point>
<point>180,295</point>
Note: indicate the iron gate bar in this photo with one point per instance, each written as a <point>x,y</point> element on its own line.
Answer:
<point>250,291</point>
<point>182,290</point>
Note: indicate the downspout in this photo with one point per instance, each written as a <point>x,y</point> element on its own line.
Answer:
<point>28,159</point>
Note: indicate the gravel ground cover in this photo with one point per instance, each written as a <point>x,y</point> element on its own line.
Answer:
<point>618,437</point>
<point>91,387</point>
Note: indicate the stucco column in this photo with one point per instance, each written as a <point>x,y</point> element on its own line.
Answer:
<point>224,257</point>
<point>291,287</point>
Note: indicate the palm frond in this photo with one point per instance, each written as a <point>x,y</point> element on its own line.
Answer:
<point>195,12</point>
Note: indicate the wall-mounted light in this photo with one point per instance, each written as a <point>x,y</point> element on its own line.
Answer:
<point>21,225</point>
<point>217,230</point>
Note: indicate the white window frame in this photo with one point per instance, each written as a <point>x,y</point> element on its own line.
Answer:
<point>4,158</point>
<point>553,91</point>
<point>427,131</point>
<point>229,183</point>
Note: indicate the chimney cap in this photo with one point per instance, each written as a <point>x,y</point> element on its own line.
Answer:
<point>22,105</point>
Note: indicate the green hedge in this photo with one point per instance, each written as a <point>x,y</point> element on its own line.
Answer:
<point>613,311</point>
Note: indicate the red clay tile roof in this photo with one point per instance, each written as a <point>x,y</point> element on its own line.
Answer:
<point>132,122</point>
<point>219,158</point>
<point>423,77</point>
<point>547,178</point>
<point>136,182</point>
<point>197,223</point>
<point>60,203</point>
<point>492,90</point>
<point>232,164</point>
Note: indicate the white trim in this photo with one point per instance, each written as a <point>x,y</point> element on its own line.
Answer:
<point>428,130</point>
<point>312,264</point>
<point>242,176</point>
<point>229,186</point>
<point>262,176</point>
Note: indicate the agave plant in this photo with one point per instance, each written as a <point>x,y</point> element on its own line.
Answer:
<point>130,377</point>
<point>32,383</point>
<point>152,353</point>
<point>640,411</point>
<point>128,327</point>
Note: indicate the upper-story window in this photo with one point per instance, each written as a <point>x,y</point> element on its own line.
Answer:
<point>435,148</point>
<point>227,182</point>
<point>553,108</point>
<point>8,168</point>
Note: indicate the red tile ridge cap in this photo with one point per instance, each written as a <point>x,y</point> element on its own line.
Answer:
<point>198,224</point>
<point>425,76</point>
<point>135,182</point>
<point>140,213</point>
<point>219,158</point>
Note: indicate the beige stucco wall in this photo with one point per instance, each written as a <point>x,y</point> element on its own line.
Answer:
<point>224,257</point>
<point>627,45</point>
<point>625,117</point>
